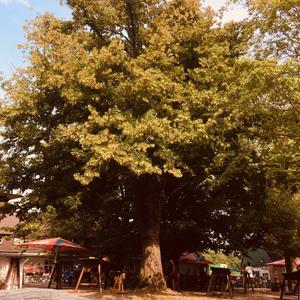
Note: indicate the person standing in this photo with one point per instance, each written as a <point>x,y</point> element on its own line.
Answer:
<point>248,277</point>
<point>105,270</point>
<point>174,276</point>
<point>249,269</point>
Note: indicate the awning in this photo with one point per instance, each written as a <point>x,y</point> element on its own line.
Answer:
<point>281,262</point>
<point>193,258</point>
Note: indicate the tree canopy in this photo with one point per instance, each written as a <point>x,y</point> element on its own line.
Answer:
<point>141,117</point>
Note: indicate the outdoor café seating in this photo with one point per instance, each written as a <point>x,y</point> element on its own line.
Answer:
<point>35,274</point>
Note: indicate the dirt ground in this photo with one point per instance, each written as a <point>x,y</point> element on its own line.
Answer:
<point>90,294</point>
<point>136,295</point>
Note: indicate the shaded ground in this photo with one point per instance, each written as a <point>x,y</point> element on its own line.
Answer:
<point>38,294</point>
<point>136,295</point>
<point>52,294</point>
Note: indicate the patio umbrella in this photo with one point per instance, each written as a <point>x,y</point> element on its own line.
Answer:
<point>56,244</point>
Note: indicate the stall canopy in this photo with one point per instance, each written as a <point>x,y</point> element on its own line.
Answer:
<point>193,258</point>
<point>281,262</point>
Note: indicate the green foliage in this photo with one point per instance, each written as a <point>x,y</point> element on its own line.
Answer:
<point>282,222</point>
<point>221,258</point>
<point>278,22</point>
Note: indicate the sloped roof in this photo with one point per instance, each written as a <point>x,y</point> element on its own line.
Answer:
<point>256,257</point>
<point>4,196</point>
<point>8,222</point>
<point>193,258</point>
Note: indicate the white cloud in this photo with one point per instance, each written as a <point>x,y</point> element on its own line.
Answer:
<point>23,2</point>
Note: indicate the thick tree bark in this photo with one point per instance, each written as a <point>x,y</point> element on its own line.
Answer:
<point>148,208</point>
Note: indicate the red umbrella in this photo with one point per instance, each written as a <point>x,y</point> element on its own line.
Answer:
<point>193,258</point>
<point>281,262</point>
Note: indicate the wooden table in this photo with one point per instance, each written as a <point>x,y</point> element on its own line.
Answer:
<point>291,276</point>
<point>221,279</point>
<point>88,263</point>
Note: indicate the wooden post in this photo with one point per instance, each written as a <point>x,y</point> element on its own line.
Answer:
<point>13,274</point>
<point>230,286</point>
<point>18,272</point>
<point>53,271</point>
<point>58,275</point>
<point>210,283</point>
<point>99,278</point>
<point>79,279</point>
<point>6,282</point>
<point>21,265</point>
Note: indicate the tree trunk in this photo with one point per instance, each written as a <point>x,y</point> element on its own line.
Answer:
<point>290,267</point>
<point>148,208</point>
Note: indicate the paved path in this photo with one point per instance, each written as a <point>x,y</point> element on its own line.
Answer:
<point>38,294</point>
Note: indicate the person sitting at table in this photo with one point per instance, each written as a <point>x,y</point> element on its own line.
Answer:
<point>39,269</point>
<point>67,276</point>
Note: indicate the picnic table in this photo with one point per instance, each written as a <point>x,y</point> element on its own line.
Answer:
<point>295,276</point>
<point>221,279</point>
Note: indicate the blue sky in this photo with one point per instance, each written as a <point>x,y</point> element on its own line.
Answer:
<point>14,13</point>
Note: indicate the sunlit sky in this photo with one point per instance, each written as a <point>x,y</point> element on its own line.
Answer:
<point>14,13</point>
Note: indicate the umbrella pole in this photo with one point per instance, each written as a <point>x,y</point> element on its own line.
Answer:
<point>58,270</point>
<point>56,255</point>
<point>54,271</point>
